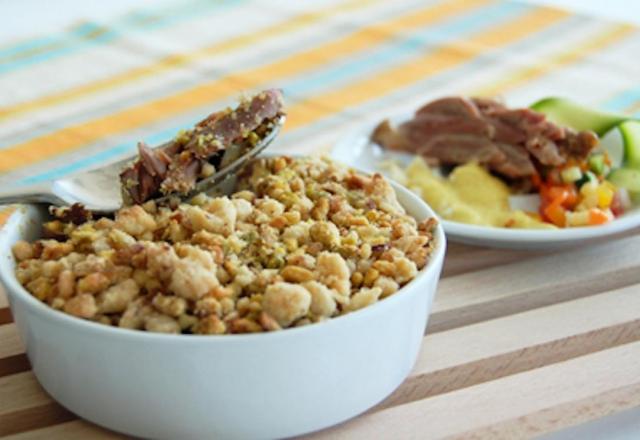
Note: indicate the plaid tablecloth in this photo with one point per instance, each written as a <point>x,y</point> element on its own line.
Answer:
<point>85,96</point>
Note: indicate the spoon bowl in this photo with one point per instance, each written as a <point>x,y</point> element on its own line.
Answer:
<point>98,189</point>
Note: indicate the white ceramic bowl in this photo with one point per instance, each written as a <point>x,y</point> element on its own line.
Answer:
<point>268,385</point>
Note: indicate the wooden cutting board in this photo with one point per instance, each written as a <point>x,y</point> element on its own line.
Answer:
<point>519,344</point>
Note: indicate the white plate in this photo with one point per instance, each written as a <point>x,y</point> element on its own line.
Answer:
<point>356,150</point>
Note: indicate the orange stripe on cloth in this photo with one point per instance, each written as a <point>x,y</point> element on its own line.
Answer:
<point>5,213</point>
<point>633,108</point>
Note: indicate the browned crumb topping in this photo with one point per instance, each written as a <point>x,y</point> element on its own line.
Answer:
<point>301,241</point>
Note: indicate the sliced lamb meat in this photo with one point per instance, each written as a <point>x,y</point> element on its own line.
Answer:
<point>176,167</point>
<point>531,129</point>
<point>431,125</point>
<point>425,127</point>
<point>506,133</point>
<point>510,142</point>
<point>155,162</point>
<point>223,128</point>
<point>580,145</point>
<point>545,150</point>
<point>518,162</point>
<point>182,175</point>
<point>385,135</point>
<point>462,148</point>
<point>451,106</point>
<point>485,105</point>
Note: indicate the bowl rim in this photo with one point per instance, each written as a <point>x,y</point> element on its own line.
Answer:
<point>16,292</point>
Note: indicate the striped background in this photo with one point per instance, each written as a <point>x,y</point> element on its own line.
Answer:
<point>83,97</point>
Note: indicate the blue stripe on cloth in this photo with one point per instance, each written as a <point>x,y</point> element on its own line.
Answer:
<point>24,46</point>
<point>401,47</point>
<point>622,100</point>
<point>78,38</point>
<point>106,156</point>
<point>138,19</point>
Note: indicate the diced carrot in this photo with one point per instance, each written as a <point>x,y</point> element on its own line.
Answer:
<point>556,214</point>
<point>565,195</point>
<point>544,193</point>
<point>597,217</point>
<point>572,197</point>
<point>558,194</point>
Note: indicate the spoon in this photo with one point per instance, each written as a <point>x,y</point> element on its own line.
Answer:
<point>99,189</point>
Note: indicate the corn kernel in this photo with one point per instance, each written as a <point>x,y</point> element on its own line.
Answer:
<point>605,195</point>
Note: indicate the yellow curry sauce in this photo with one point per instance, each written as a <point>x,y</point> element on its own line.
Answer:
<point>470,194</point>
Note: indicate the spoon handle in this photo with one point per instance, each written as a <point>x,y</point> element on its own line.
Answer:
<point>38,193</point>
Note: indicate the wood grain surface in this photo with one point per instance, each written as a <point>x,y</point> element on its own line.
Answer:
<point>518,344</point>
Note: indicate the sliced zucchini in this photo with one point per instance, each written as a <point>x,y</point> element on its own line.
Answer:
<point>630,131</point>
<point>627,178</point>
<point>566,112</point>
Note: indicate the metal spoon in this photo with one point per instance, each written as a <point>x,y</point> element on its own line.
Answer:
<point>99,189</point>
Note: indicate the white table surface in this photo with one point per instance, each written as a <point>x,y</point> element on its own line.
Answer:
<point>26,18</point>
